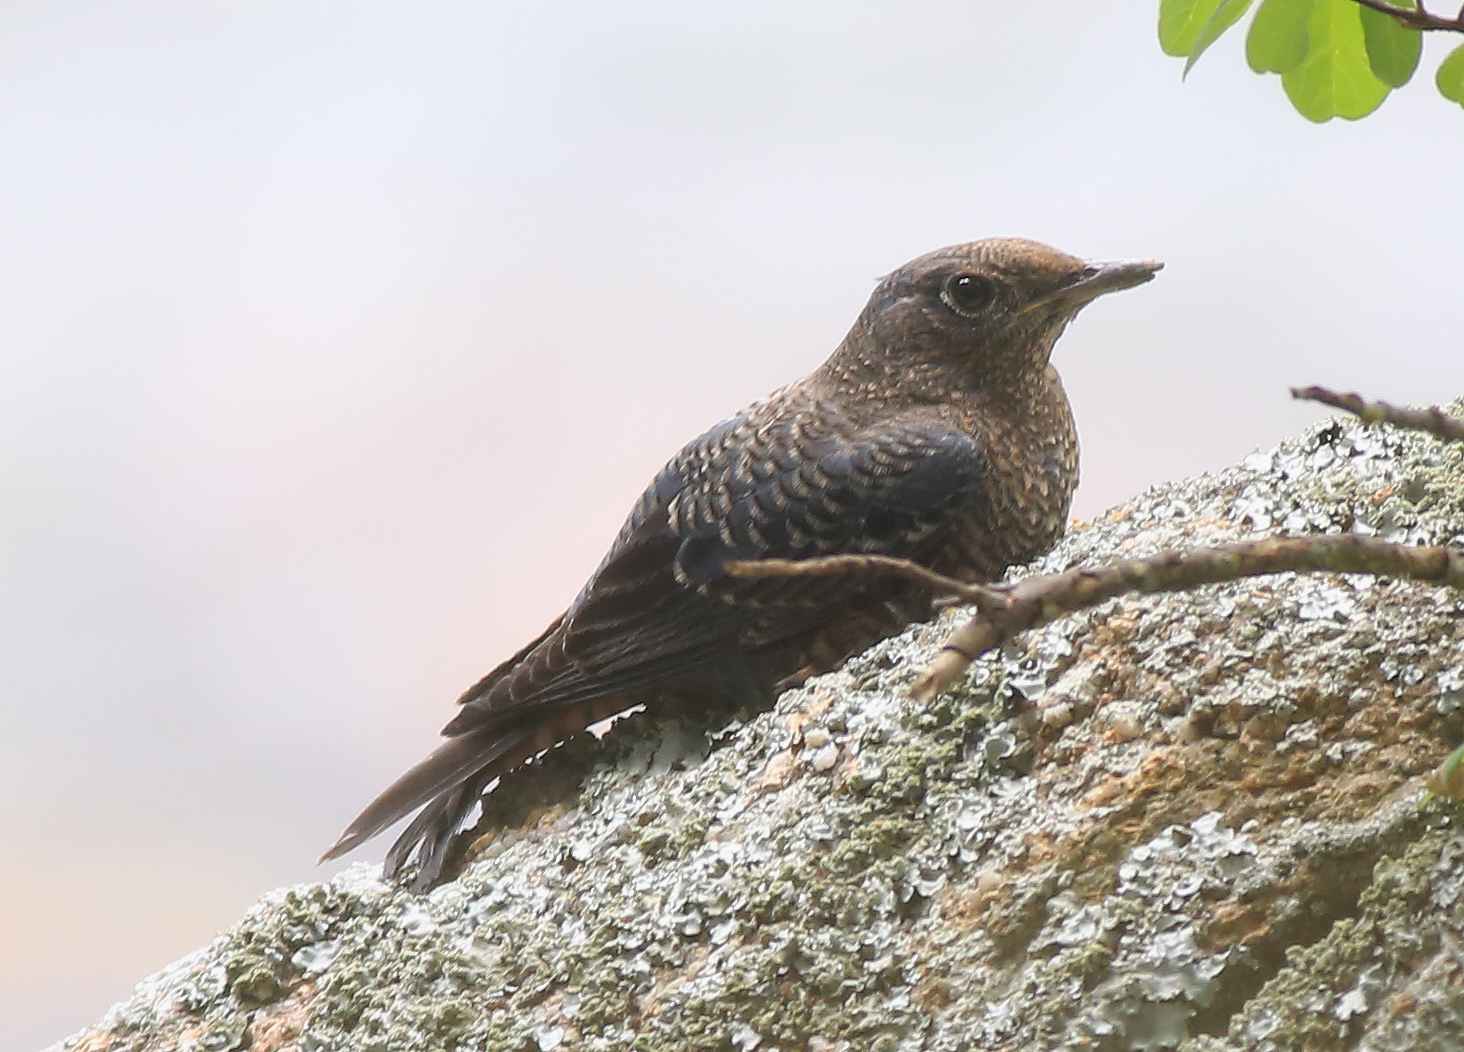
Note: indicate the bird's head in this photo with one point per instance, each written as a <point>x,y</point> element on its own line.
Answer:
<point>984,314</point>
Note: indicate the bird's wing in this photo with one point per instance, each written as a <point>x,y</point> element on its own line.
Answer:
<point>662,605</point>
<point>662,602</point>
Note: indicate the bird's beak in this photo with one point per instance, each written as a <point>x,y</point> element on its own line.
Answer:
<point>1094,280</point>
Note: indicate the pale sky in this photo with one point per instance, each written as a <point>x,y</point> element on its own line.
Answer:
<point>338,339</point>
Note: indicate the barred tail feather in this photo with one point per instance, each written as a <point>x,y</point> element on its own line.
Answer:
<point>431,832</point>
<point>448,774</point>
<point>451,779</point>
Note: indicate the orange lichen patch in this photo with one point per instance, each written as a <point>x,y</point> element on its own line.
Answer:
<point>1114,631</point>
<point>1234,924</point>
<point>1387,719</point>
<point>1403,1003</point>
<point>274,1029</point>
<point>1122,730</point>
<point>1263,775</point>
<point>964,908</point>
<point>811,712</point>
<point>96,1041</point>
<point>1176,783</point>
<point>1166,770</point>
<point>932,992</point>
<point>1042,848</point>
<point>777,772</point>
<point>1356,796</point>
<point>649,1004</point>
<point>1106,792</point>
<point>1249,777</point>
<point>996,907</point>
<point>1307,784</point>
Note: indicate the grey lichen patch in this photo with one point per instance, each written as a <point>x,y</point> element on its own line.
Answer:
<point>1173,821</point>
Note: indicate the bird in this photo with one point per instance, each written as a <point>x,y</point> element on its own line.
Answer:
<point>937,431</point>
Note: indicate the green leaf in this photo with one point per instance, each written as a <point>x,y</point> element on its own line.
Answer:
<point>1392,47</point>
<point>1224,16</point>
<point>1450,77</point>
<point>1278,40</point>
<point>1181,22</point>
<point>1335,79</point>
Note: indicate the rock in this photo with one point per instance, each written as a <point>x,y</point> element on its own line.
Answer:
<point>1215,839</point>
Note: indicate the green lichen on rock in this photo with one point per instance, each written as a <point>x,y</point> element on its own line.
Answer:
<point>1187,821</point>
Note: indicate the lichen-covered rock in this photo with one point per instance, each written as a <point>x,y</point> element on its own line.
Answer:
<point>1191,821</point>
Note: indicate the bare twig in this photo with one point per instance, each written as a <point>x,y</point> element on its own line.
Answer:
<point>1434,421</point>
<point>1040,600</point>
<point>983,597</point>
<point>1416,18</point>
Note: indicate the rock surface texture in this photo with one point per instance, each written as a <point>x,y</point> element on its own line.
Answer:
<point>1192,821</point>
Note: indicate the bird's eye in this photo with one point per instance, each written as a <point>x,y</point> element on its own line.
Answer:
<point>968,294</point>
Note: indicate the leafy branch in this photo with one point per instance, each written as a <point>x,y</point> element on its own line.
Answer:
<point>1335,58</point>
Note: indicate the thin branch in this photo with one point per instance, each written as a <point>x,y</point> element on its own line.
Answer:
<point>1416,18</point>
<point>984,597</point>
<point>1434,421</point>
<point>1040,600</point>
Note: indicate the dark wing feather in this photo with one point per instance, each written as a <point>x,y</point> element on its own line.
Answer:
<point>662,602</point>
<point>889,492</point>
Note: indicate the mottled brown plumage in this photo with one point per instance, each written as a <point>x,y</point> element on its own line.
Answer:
<point>937,431</point>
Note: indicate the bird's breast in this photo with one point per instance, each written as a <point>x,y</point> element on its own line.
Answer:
<point>1032,471</point>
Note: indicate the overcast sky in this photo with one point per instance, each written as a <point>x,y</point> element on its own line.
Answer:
<point>338,339</point>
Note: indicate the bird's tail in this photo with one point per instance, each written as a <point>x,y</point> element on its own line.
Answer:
<point>452,777</point>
